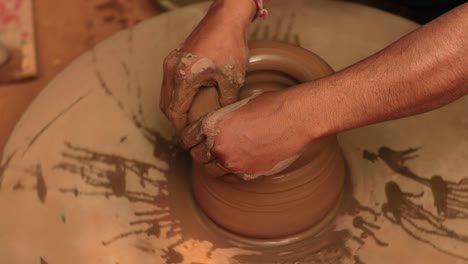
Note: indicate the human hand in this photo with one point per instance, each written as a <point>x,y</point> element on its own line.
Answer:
<point>253,137</point>
<point>214,54</point>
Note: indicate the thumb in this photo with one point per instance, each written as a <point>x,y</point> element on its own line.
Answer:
<point>229,84</point>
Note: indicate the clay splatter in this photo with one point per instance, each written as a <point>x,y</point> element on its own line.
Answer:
<point>40,184</point>
<point>450,198</point>
<point>367,230</point>
<point>4,166</point>
<point>402,209</point>
<point>364,223</point>
<point>135,116</point>
<point>51,122</point>
<point>173,256</point>
<point>355,208</point>
<point>103,84</point>
<point>86,163</point>
<point>18,186</point>
<point>63,218</point>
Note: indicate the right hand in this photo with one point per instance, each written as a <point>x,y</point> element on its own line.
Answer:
<point>214,54</point>
<point>257,136</point>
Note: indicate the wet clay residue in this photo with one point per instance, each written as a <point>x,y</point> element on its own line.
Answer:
<point>263,208</point>
<point>33,182</point>
<point>418,219</point>
<point>450,198</point>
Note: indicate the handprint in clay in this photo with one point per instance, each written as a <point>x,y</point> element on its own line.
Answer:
<point>213,55</point>
<point>107,173</point>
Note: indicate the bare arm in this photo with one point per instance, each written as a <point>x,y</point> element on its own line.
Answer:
<point>214,54</point>
<point>422,71</point>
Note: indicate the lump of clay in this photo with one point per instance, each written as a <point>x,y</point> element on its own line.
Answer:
<point>296,199</point>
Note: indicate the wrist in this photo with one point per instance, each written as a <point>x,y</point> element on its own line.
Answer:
<point>240,12</point>
<point>309,114</point>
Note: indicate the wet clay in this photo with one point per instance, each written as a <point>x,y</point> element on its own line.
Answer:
<point>291,201</point>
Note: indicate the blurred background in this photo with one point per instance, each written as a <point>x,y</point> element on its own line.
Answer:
<point>420,11</point>
<point>52,33</point>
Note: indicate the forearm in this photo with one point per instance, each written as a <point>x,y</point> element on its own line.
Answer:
<point>422,71</point>
<point>233,16</point>
<point>239,12</point>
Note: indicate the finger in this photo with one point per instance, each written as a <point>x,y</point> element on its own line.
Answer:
<point>192,135</point>
<point>228,87</point>
<point>201,153</point>
<point>205,101</point>
<point>187,86</point>
<point>183,98</point>
<point>178,91</point>
<point>186,89</point>
<point>214,169</point>
<point>177,111</point>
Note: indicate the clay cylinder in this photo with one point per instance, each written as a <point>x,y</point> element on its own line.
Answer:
<point>295,199</point>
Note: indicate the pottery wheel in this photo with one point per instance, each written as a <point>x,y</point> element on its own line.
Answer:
<point>91,175</point>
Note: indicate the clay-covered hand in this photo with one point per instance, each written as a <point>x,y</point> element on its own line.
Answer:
<point>214,54</point>
<point>253,137</point>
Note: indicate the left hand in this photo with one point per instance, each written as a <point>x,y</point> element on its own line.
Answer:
<point>213,55</point>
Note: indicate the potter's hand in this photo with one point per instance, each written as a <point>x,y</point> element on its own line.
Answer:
<point>214,54</point>
<point>249,138</point>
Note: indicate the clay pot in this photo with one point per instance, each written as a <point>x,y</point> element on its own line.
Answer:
<point>295,199</point>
